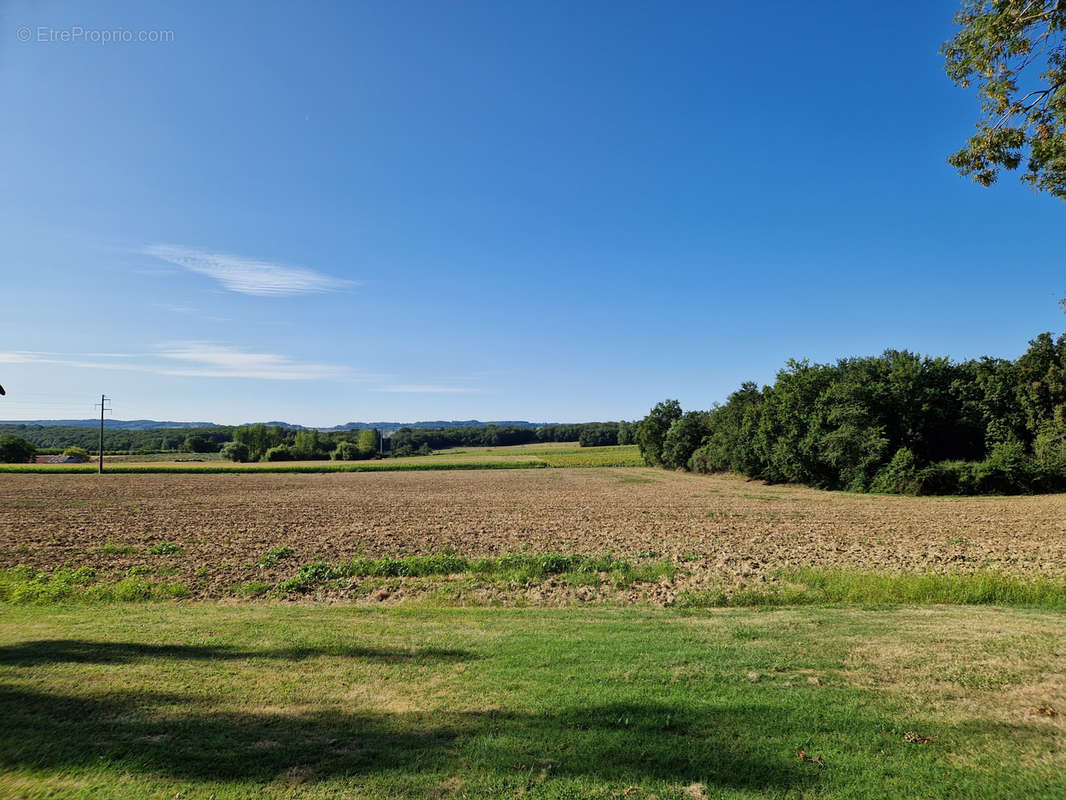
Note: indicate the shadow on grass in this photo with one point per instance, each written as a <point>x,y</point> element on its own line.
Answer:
<point>177,737</point>
<point>77,651</point>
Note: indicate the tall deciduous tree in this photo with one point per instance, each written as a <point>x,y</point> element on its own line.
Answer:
<point>1014,53</point>
<point>651,431</point>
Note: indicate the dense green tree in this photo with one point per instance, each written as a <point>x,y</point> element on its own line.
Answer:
<point>259,439</point>
<point>651,431</point>
<point>684,437</point>
<point>235,451</point>
<point>15,449</point>
<point>197,444</point>
<point>1014,53</point>
<point>1041,382</point>
<point>367,443</point>
<point>729,447</point>
<point>306,445</point>
<point>345,451</point>
<point>627,432</point>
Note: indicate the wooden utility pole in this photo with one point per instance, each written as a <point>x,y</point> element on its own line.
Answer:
<point>103,407</point>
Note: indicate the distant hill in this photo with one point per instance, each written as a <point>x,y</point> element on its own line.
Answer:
<point>391,427</point>
<point>110,424</point>
<point>150,424</point>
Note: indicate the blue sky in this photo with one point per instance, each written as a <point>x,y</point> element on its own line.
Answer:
<point>327,212</point>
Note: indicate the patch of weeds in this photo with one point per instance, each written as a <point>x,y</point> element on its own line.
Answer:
<point>133,588</point>
<point>647,554</point>
<point>517,568</point>
<point>406,566</point>
<point>581,578</point>
<point>202,572</point>
<point>27,585</point>
<point>651,572</point>
<point>164,548</point>
<point>113,548</point>
<point>308,576</point>
<point>271,557</point>
<point>142,569</point>
<point>252,588</point>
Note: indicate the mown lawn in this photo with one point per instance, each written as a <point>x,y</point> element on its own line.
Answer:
<point>281,701</point>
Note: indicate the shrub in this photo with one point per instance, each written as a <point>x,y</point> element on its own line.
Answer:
<point>1049,449</point>
<point>77,453</point>
<point>947,477</point>
<point>898,476</point>
<point>235,451</point>
<point>347,451</point>
<point>1007,470</point>
<point>271,557</point>
<point>278,453</point>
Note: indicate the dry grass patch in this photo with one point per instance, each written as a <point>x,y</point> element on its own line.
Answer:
<point>991,673</point>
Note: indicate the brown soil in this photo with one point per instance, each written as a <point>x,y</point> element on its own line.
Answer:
<point>715,527</point>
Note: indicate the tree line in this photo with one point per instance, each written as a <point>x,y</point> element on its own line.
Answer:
<point>895,423</point>
<point>262,442</point>
<point>57,437</point>
<point>407,441</point>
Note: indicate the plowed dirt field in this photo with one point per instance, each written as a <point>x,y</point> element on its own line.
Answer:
<point>716,528</point>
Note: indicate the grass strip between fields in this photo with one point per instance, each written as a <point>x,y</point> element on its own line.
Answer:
<point>441,577</point>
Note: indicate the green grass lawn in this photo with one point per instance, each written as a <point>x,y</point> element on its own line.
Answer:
<point>281,701</point>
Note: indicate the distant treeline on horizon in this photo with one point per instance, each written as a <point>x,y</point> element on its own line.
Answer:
<point>315,442</point>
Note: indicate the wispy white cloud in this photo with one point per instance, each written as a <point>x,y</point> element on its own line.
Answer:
<point>208,360</point>
<point>421,388</point>
<point>196,359</point>
<point>71,360</point>
<point>191,359</point>
<point>248,275</point>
